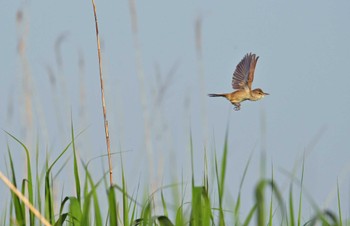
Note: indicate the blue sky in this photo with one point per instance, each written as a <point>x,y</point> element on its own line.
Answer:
<point>304,51</point>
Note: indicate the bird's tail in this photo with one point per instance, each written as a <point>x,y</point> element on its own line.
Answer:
<point>216,95</point>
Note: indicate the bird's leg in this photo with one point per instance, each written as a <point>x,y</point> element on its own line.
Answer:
<point>237,106</point>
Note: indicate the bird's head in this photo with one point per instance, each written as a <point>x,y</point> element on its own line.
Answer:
<point>258,93</point>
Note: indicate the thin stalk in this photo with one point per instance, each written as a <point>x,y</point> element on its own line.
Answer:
<point>103,97</point>
<point>143,95</point>
<point>339,207</point>
<point>201,76</point>
<point>24,200</point>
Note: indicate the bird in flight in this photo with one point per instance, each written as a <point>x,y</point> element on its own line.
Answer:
<point>242,81</point>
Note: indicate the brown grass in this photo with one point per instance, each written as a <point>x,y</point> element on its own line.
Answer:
<point>103,97</point>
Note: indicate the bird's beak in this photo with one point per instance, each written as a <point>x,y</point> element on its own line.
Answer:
<point>266,93</point>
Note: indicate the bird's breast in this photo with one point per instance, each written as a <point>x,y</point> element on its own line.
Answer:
<point>239,96</point>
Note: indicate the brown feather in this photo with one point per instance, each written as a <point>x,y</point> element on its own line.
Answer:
<point>243,76</point>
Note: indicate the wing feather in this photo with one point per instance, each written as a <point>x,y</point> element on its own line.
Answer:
<point>243,76</point>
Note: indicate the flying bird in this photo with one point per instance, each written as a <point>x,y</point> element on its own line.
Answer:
<point>242,81</point>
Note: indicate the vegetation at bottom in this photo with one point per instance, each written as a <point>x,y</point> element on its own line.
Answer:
<point>123,208</point>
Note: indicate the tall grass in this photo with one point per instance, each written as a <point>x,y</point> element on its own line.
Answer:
<point>84,207</point>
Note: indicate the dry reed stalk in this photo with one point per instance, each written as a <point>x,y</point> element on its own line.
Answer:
<point>32,104</point>
<point>103,97</point>
<point>61,91</point>
<point>23,30</point>
<point>24,199</point>
<point>55,98</point>
<point>200,63</point>
<point>143,96</point>
<point>10,106</point>
<point>157,115</point>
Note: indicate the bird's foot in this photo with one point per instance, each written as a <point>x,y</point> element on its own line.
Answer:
<point>237,108</point>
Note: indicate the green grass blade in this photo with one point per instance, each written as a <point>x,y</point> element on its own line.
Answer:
<point>208,215</point>
<point>238,203</point>
<point>339,206</point>
<point>180,219</point>
<point>217,176</point>
<point>146,216</point>
<point>86,183</point>
<point>64,201</point>
<point>62,216</point>
<point>125,199</point>
<point>250,215</point>
<point>236,210</point>
<point>133,213</point>
<point>76,170</point>
<point>205,174</point>
<point>196,213</point>
<point>61,219</point>
<point>223,169</point>
<point>11,213</point>
<point>221,179</point>
<point>75,213</point>
<point>192,164</point>
<point>291,206</point>
<point>18,207</point>
<point>38,179</point>
<point>164,221</point>
<point>85,218</point>
<point>49,202</point>
<point>134,205</point>
<point>260,200</point>
<point>271,202</point>
<point>29,176</point>
<point>201,210</point>
<point>324,218</point>
<point>49,208</point>
<point>113,216</point>
<point>301,193</point>
<point>165,209</point>
<point>97,211</point>
<point>23,191</point>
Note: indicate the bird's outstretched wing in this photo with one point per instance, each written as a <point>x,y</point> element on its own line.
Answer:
<point>243,76</point>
